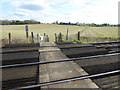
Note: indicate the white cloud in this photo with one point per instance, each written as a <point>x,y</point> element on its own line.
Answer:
<point>89,11</point>
<point>21,14</point>
<point>98,11</point>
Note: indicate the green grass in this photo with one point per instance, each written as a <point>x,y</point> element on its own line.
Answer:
<point>18,31</point>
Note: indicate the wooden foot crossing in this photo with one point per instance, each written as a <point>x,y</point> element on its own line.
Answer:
<point>61,70</point>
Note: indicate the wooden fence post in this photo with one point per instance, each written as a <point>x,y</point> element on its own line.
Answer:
<point>55,37</point>
<point>87,39</point>
<point>96,40</point>
<point>67,35</point>
<point>47,38</point>
<point>26,29</point>
<point>78,35</point>
<point>27,36</point>
<point>60,37</point>
<point>32,37</point>
<point>44,34</point>
<point>37,37</point>
<point>9,38</point>
<point>44,37</point>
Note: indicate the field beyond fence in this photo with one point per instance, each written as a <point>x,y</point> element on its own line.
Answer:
<point>87,34</point>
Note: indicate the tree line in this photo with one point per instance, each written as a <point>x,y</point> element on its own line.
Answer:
<point>86,24</point>
<point>18,22</point>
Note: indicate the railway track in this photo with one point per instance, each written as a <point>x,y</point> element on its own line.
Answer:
<point>108,82</point>
<point>68,80</point>
<point>63,81</point>
<point>96,77</point>
<point>15,48</point>
<point>19,76</point>
<point>56,61</point>
<point>86,45</point>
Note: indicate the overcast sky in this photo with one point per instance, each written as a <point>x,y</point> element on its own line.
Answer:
<point>47,11</point>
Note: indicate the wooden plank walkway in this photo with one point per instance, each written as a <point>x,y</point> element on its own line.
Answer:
<point>61,70</point>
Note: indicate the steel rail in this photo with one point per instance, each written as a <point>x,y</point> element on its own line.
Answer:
<point>68,80</point>
<point>109,46</point>
<point>105,42</point>
<point>83,46</point>
<point>55,61</point>
<point>67,45</point>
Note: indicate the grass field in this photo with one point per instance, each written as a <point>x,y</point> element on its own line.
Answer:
<point>18,31</point>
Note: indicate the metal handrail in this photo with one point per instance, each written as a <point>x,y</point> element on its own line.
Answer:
<point>68,80</point>
<point>55,61</point>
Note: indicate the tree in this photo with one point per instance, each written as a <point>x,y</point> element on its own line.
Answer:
<point>56,22</point>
